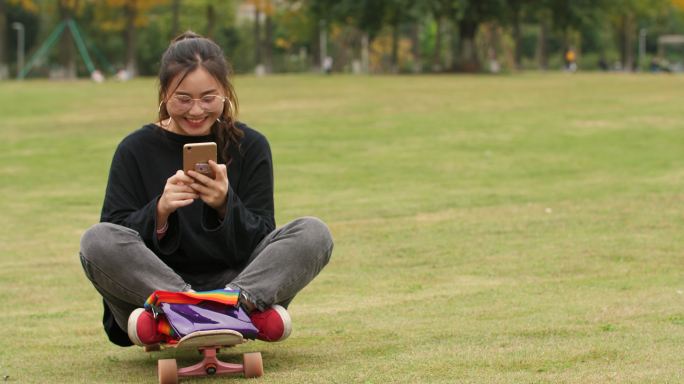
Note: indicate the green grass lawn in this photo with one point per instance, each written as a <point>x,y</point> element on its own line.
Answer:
<point>489,229</point>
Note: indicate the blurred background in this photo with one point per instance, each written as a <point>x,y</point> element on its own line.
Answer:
<point>125,38</point>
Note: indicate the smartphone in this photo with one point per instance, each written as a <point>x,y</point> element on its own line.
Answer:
<point>196,157</point>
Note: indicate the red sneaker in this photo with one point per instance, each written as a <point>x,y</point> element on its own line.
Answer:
<point>273,324</point>
<point>142,328</point>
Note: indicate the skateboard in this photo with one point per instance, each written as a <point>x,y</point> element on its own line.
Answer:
<point>208,343</point>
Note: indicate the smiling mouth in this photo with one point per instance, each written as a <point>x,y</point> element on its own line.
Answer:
<point>195,121</point>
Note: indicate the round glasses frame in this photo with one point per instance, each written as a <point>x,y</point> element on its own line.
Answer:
<point>183,103</point>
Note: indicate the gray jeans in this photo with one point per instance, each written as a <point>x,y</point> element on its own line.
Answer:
<point>125,272</point>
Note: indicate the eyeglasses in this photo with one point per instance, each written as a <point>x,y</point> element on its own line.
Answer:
<point>183,103</point>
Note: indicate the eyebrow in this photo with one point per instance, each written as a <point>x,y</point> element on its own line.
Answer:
<point>208,92</point>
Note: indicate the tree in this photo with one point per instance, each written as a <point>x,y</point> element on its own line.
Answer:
<point>399,13</point>
<point>263,46</point>
<point>366,16</point>
<point>268,9</point>
<point>569,17</point>
<point>211,20</point>
<point>257,33</point>
<point>128,16</point>
<point>542,53</point>
<point>3,28</point>
<point>469,15</point>
<point>441,10</point>
<point>626,19</point>
<point>175,18</point>
<point>514,12</point>
<point>396,14</point>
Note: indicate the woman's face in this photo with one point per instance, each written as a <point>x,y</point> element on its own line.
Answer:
<point>195,103</point>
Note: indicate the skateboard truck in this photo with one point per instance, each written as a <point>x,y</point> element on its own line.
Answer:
<point>209,343</point>
<point>169,373</point>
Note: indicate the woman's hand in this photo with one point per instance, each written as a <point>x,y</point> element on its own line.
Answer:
<point>177,193</point>
<point>212,191</point>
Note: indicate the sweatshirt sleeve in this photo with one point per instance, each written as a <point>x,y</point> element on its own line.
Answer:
<point>127,204</point>
<point>249,205</point>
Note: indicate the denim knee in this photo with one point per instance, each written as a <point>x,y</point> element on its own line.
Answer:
<point>98,241</point>
<point>316,238</point>
<point>93,241</point>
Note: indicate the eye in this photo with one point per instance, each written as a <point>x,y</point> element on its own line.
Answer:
<point>209,99</point>
<point>184,99</point>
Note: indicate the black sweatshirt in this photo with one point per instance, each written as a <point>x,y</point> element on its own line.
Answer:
<point>197,240</point>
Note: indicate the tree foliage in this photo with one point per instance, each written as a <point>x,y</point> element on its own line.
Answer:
<point>391,35</point>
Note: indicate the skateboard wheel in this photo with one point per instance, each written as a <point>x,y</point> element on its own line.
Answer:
<point>168,371</point>
<point>253,366</point>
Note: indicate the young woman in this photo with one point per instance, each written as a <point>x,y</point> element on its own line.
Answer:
<point>164,229</point>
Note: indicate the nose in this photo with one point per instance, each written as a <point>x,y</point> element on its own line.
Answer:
<point>195,109</point>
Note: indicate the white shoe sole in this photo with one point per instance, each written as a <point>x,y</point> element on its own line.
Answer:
<point>132,323</point>
<point>287,321</point>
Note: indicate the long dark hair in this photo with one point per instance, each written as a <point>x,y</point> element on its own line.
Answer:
<point>186,53</point>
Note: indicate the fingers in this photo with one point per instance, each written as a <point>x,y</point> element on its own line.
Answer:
<point>201,188</point>
<point>179,186</point>
<point>210,193</point>
<point>220,174</point>
<point>174,196</point>
<point>199,177</point>
<point>180,178</point>
<point>177,193</point>
<point>219,169</point>
<point>175,204</point>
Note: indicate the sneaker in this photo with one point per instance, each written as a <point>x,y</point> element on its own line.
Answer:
<point>273,324</point>
<point>142,328</point>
